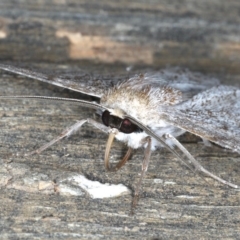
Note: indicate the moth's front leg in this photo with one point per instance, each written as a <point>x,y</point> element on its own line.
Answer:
<point>147,155</point>
<point>196,164</point>
<point>69,131</point>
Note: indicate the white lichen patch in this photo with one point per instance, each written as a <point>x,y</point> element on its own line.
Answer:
<point>68,190</point>
<point>94,188</point>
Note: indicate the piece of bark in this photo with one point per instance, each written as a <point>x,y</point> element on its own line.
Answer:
<point>38,201</point>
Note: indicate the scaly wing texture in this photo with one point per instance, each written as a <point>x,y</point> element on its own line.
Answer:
<point>187,82</point>
<point>213,115</point>
<point>81,82</point>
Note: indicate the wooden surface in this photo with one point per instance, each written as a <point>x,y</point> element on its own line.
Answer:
<point>202,35</point>
<point>175,202</point>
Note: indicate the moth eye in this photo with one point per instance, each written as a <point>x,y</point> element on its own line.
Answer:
<point>105,118</point>
<point>127,126</point>
<point>123,125</point>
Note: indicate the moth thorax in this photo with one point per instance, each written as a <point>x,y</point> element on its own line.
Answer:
<point>126,99</point>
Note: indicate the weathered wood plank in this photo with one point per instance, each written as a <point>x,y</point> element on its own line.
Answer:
<point>199,35</point>
<point>175,202</point>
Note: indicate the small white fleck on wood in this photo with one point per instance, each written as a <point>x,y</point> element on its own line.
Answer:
<point>98,190</point>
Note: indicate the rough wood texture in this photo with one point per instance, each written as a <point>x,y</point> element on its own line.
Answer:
<point>175,203</point>
<point>200,35</point>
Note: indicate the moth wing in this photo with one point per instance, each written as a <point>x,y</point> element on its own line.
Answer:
<point>213,115</point>
<point>189,83</point>
<point>82,82</point>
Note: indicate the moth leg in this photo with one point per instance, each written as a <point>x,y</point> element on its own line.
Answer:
<point>206,142</point>
<point>69,131</point>
<point>111,137</point>
<point>147,155</point>
<point>196,164</point>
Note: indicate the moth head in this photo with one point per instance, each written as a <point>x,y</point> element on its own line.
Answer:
<point>115,119</point>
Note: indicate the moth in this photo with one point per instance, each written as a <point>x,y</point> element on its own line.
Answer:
<point>151,110</point>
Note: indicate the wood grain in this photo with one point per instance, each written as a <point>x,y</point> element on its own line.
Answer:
<point>175,202</point>
<point>198,35</point>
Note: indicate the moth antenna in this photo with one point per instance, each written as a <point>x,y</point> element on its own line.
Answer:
<point>72,100</point>
<point>147,155</point>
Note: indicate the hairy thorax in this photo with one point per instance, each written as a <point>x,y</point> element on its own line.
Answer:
<point>143,104</point>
